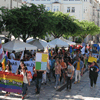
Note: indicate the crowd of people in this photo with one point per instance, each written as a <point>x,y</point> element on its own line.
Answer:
<point>63,66</point>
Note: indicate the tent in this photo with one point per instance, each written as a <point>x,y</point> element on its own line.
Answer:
<point>41,44</point>
<point>18,46</point>
<point>58,42</point>
<point>68,41</point>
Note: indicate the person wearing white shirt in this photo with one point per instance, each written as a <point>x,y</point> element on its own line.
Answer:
<point>12,55</point>
<point>25,82</point>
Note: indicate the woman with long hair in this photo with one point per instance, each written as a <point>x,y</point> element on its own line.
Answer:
<point>93,73</point>
<point>57,73</point>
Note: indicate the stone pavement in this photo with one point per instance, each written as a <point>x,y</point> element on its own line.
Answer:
<point>80,91</point>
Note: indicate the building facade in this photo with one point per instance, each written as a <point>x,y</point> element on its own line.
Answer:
<point>10,3</point>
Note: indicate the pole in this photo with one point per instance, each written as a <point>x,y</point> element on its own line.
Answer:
<point>10,4</point>
<point>17,3</point>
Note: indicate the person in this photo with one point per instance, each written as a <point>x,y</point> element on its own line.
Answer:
<point>57,73</point>
<point>8,69</point>
<point>21,66</point>
<point>69,74</point>
<point>78,69</point>
<point>85,62</point>
<point>25,82</point>
<point>63,67</point>
<point>9,64</point>
<point>93,73</point>
<point>38,80</point>
<point>52,65</point>
<point>12,55</point>
<point>0,67</point>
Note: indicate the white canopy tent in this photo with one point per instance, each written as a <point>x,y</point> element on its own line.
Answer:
<point>18,46</point>
<point>58,42</point>
<point>41,44</point>
<point>68,41</point>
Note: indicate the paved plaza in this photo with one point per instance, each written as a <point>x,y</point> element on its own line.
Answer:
<point>80,91</point>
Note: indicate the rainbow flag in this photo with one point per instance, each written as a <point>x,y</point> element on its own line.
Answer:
<point>10,82</point>
<point>4,62</point>
<point>51,52</point>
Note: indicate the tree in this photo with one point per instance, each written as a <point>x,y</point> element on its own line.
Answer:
<point>75,28</point>
<point>59,24</point>
<point>25,21</point>
<point>88,28</point>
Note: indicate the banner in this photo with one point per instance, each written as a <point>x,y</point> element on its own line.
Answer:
<point>15,64</point>
<point>1,51</point>
<point>10,82</point>
<point>95,55</point>
<point>30,65</point>
<point>41,61</point>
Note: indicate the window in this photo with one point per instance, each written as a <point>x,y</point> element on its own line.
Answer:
<point>68,9</point>
<point>71,0</point>
<point>84,10</point>
<point>73,9</point>
<point>48,8</point>
<point>56,8</point>
<point>91,1</point>
<point>56,0</point>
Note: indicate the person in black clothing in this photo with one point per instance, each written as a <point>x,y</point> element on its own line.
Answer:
<point>93,73</point>
<point>38,80</point>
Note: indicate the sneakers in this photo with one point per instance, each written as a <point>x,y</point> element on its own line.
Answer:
<point>75,82</point>
<point>79,81</point>
<point>94,85</point>
<point>55,87</point>
<point>22,98</point>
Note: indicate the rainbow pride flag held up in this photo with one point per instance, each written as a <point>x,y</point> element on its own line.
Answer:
<point>4,62</point>
<point>10,82</point>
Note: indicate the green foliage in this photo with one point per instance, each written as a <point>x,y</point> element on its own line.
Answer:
<point>78,40</point>
<point>25,21</point>
<point>59,24</point>
<point>88,28</point>
<point>35,21</point>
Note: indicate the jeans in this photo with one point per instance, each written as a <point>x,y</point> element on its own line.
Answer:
<point>24,88</point>
<point>69,83</point>
<point>57,79</point>
<point>38,84</point>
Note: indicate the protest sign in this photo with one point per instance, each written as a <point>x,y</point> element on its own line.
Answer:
<point>30,65</point>
<point>95,55</point>
<point>41,61</point>
<point>10,82</point>
<point>15,64</point>
<point>92,59</point>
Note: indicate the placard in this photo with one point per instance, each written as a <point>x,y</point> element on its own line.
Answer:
<point>41,61</point>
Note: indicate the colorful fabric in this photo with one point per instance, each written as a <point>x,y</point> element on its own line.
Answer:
<point>10,82</point>
<point>78,66</point>
<point>4,62</point>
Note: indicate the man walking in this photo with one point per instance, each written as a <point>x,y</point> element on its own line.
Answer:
<point>78,69</point>
<point>70,74</point>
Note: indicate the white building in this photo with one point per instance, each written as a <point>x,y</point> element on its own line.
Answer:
<point>10,3</point>
<point>81,9</point>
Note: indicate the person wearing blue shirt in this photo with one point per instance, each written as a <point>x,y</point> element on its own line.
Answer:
<point>52,66</point>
